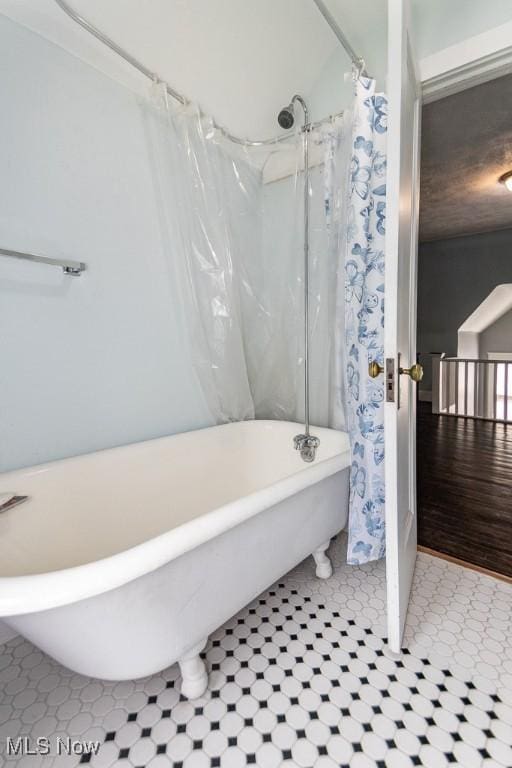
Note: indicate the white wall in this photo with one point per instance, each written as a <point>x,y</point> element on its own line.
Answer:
<point>99,360</point>
<point>498,337</point>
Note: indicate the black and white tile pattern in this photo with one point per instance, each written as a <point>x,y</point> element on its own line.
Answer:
<point>301,677</point>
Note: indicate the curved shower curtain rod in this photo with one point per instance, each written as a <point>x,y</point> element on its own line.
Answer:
<point>357,62</point>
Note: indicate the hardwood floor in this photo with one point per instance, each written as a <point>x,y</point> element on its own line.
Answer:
<point>465,489</point>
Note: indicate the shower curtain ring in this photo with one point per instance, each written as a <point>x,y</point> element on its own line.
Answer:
<point>358,68</point>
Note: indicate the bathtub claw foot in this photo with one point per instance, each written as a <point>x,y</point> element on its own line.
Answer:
<point>193,673</point>
<point>323,563</point>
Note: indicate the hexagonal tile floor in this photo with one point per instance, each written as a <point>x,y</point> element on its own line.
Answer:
<point>301,677</point>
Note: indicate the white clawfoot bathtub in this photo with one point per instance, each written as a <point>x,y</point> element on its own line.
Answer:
<point>123,561</point>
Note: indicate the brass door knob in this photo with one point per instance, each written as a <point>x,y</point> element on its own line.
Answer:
<point>374,369</point>
<point>415,372</point>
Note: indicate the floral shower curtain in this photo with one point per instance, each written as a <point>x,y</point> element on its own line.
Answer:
<point>362,250</point>
<point>364,323</point>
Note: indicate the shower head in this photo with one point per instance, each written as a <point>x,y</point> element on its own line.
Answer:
<point>286,117</point>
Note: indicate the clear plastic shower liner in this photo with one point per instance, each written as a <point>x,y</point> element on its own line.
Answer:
<point>235,245</point>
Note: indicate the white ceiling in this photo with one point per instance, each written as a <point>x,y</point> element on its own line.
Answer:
<point>242,59</point>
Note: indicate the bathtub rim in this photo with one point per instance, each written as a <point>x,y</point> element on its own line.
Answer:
<point>43,591</point>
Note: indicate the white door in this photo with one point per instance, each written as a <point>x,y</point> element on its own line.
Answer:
<point>400,319</point>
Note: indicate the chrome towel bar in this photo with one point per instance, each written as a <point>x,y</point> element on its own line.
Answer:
<point>11,502</point>
<point>74,268</point>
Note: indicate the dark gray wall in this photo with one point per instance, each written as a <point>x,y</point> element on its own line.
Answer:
<point>454,277</point>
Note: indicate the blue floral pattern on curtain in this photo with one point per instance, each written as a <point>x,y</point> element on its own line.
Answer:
<point>364,323</point>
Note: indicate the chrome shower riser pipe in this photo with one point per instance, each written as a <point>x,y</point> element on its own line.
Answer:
<point>306,443</point>
<point>305,140</point>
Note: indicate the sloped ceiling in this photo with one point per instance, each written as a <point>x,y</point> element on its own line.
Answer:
<point>497,304</point>
<point>240,59</point>
<point>466,146</point>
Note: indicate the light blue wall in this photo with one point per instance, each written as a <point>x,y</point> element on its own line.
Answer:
<point>99,360</point>
<point>441,23</point>
<point>333,89</point>
<point>103,359</point>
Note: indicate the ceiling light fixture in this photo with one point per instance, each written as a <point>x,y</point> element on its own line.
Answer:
<point>506,179</point>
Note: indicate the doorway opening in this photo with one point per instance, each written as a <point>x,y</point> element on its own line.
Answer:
<point>464,329</point>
